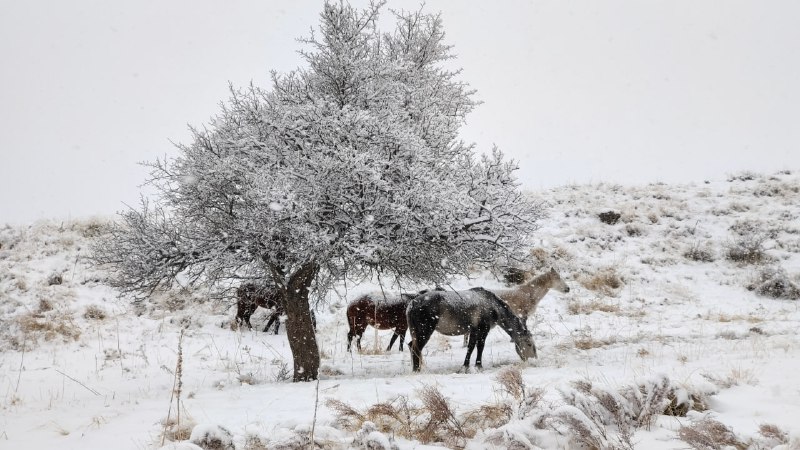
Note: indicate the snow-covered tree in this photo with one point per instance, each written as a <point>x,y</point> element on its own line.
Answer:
<point>348,167</point>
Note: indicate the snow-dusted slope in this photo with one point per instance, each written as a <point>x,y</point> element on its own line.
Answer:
<point>656,303</point>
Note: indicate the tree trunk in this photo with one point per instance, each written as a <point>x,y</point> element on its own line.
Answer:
<point>299,326</point>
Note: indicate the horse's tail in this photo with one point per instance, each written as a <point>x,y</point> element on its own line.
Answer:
<point>411,322</point>
<point>413,328</point>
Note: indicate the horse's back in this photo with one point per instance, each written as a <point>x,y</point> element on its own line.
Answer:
<point>379,311</point>
<point>455,312</point>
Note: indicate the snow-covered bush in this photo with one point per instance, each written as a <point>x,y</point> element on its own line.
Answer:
<point>774,282</point>
<point>701,252</point>
<point>601,417</point>
<point>710,434</point>
<point>747,242</point>
<point>605,281</point>
<point>369,438</point>
<point>212,437</point>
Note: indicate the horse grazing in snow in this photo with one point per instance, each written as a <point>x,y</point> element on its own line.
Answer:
<point>250,296</point>
<point>381,312</point>
<point>475,312</point>
<point>524,298</point>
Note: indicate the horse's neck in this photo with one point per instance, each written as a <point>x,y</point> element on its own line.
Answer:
<point>534,290</point>
<point>509,322</point>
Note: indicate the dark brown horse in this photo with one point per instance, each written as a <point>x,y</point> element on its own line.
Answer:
<point>382,313</point>
<point>250,296</point>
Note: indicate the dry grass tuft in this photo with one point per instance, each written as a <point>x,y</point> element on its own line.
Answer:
<point>735,377</point>
<point>255,442</point>
<point>726,318</point>
<point>178,432</point>
<point>347,417</point>
<point>701,253</point>
<point>605,281</point>
<point>435,420</point>
<point>774,282</point>
<point>772,432</point>
<point>511,380</point>
<point>747,242</point>
<point>55,279</point>
<point>489,416</point>
<point>48,323</point>
<point>710,434</point>
<point>372,350</point>
<point>442,424</point>
<point>590,342</point>
<point>330,371</point>
<point>546,258</point>
<point>216,438</point>
<point>396,415</point>
<point>599,417</point>
<point>575,307</point>
<point>94,312</point>
<point>609,217</point>
<point>679,406</point>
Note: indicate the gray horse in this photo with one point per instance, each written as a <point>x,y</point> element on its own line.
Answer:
<point>473,312</point>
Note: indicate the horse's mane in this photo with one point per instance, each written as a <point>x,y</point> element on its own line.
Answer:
<point>538,279</point>
<point>489,295</point>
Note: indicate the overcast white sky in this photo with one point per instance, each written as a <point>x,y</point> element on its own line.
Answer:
<point>577,91</point>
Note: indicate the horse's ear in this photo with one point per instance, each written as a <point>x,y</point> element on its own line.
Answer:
<point>552,269</point>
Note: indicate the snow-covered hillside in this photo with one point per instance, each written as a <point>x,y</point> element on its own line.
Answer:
<point>683,300</point>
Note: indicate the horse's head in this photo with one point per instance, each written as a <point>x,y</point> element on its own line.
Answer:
<point>556,282</point>
<point>524,346</point>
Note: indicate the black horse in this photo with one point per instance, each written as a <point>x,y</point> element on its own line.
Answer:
<point>250,296</point>
<point>473,312</point>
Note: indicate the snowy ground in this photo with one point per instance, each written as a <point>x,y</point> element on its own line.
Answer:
<point>654,299</point>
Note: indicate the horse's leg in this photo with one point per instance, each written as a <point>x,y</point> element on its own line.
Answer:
<point>240,311</point>
<point>470,347</point>
<point>391,342</point>
<point>466,340</point>
<point>269,324</point>
<point>481,343</point>
<point>417,344</point>
<point>482,333</point>
<point>247,320</point>
<point>350,336</point>
<point>277,322</point>
<point>272,319</point>
<point>402,338</point>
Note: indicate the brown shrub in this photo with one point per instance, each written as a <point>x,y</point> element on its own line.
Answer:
<point>609,217</point>
<point>578,307</point>
<point>747,242</point>
<point>709,434</point>
<point>49,326</point>
<point>94,312</point>
<point>605,281</point>
<point>700,253</point>
<point>55,279</point>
